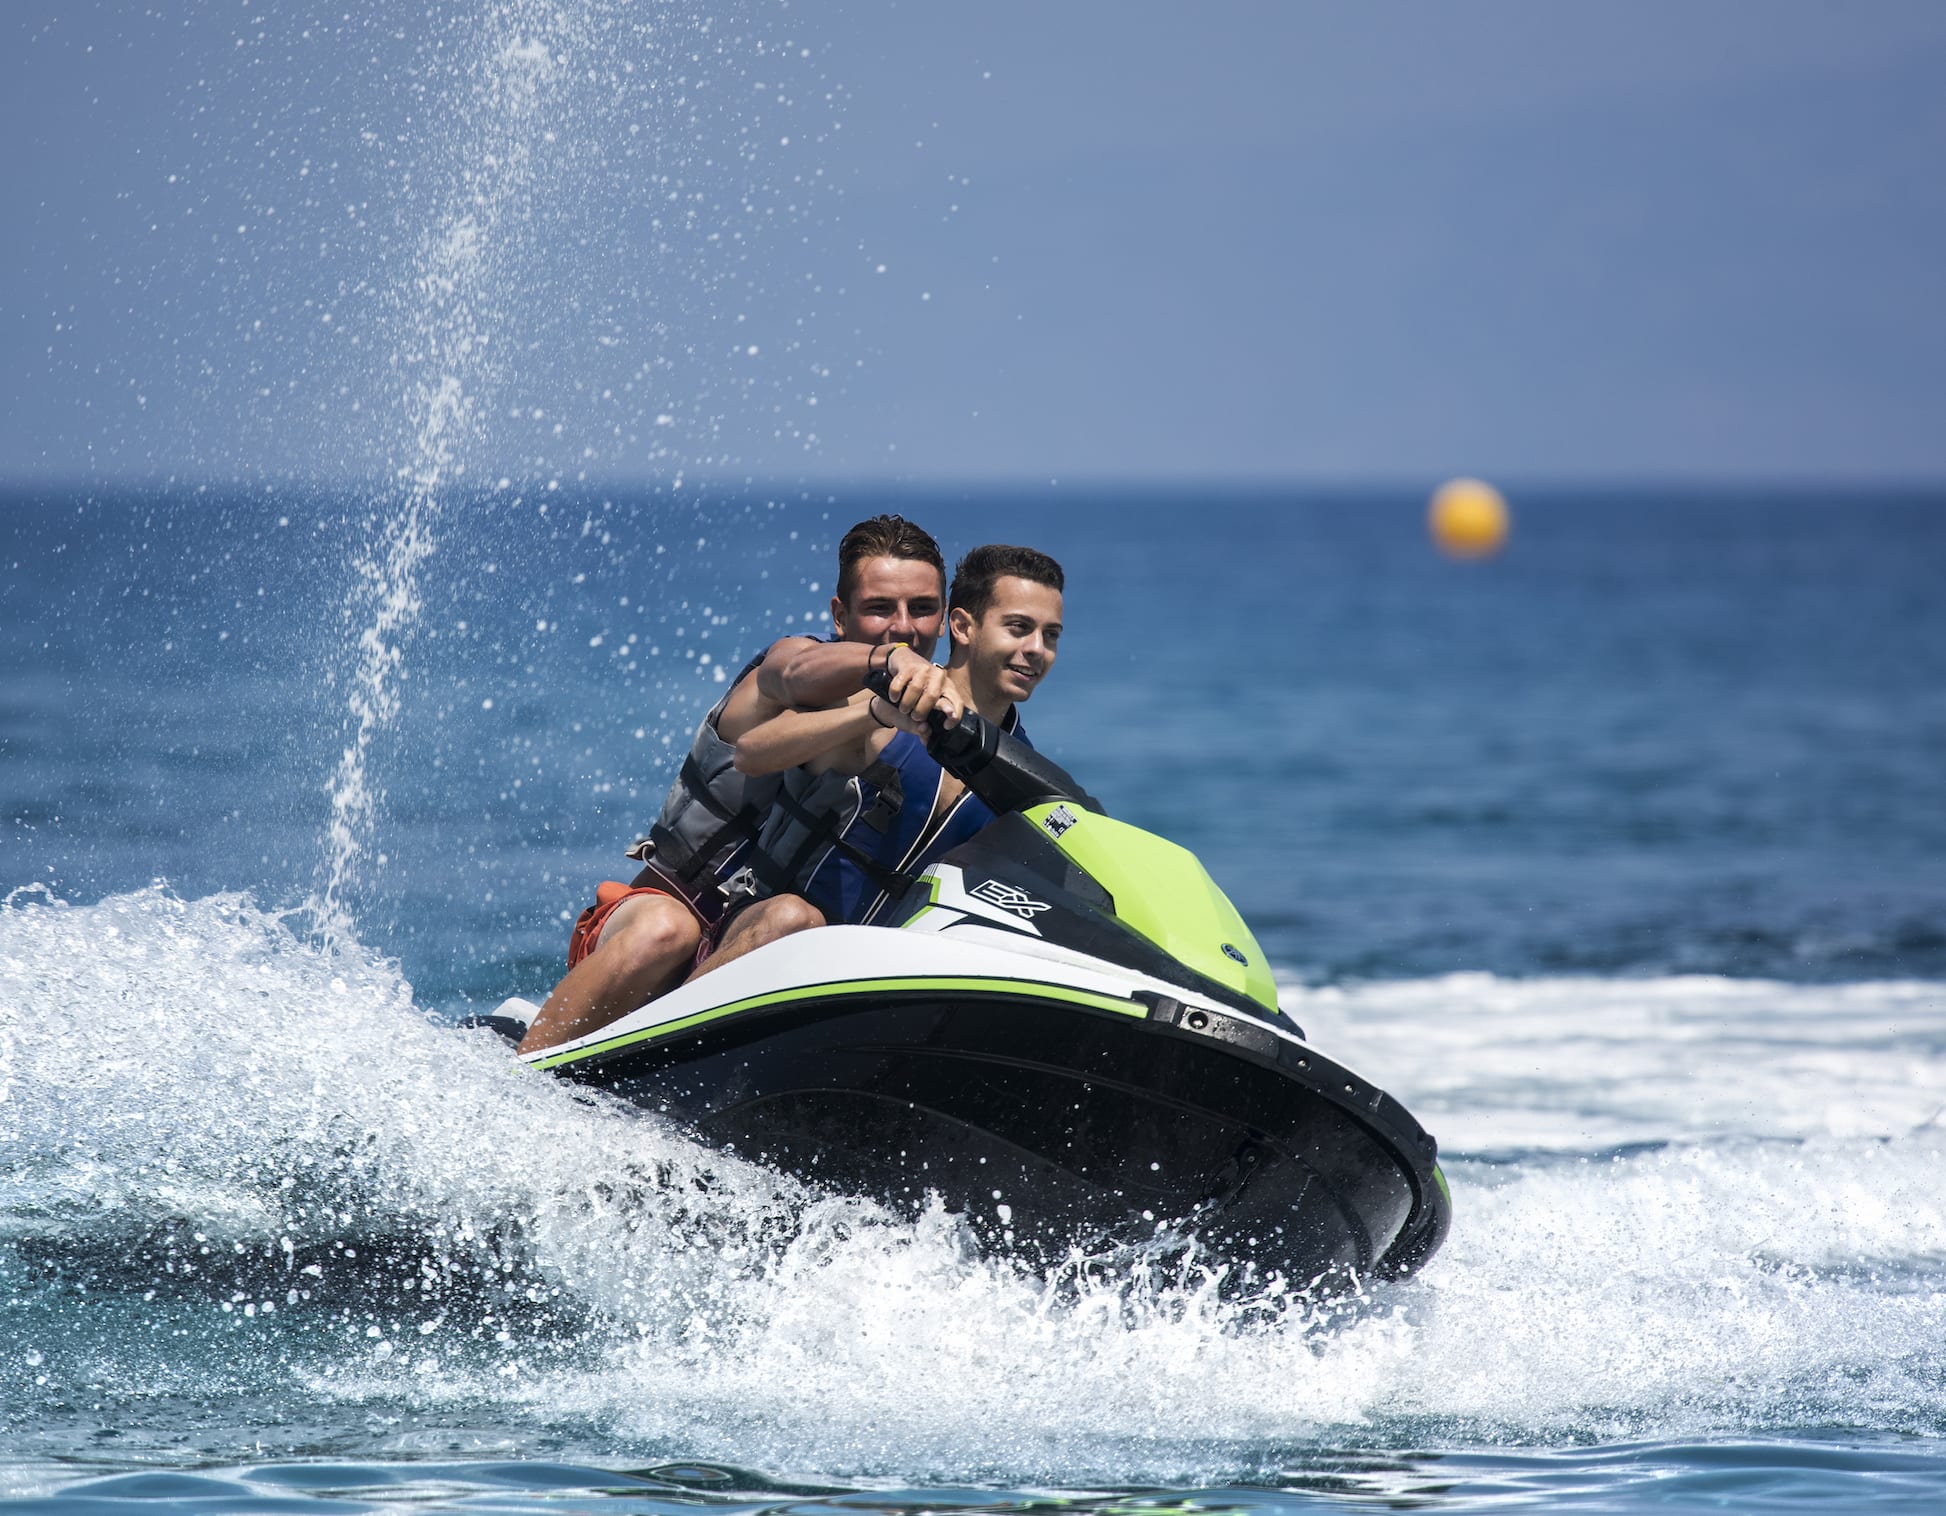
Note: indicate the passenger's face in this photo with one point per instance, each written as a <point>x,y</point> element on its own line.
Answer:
<point>893,600</point>
<point>1011,647</point>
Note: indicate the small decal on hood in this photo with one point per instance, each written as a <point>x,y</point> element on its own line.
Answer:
<point>1230,951</point>
<point>1059,820</point>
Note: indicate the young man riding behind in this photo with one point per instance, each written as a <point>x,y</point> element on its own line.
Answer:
<point>639,940</point>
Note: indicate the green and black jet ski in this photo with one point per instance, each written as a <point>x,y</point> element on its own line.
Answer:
<point>1069,1036</point>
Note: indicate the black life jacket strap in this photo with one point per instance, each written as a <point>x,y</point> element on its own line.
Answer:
<point>820,827</point>
<point>697,783</point>
<point>891,796</point>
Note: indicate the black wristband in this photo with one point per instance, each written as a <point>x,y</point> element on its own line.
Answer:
<point>872,706</point>
<point>879,680</point>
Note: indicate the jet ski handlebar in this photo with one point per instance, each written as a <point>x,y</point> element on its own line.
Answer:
<point>996,766</point>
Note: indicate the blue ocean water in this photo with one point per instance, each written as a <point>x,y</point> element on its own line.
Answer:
<point>1671,733</point>
<point>1615,858</point>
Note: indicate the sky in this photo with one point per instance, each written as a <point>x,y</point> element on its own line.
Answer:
<point>1376,241</point>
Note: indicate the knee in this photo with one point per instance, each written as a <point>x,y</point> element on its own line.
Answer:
<point>791,913</point>
<point>657,929</point>
<point>769,919</point>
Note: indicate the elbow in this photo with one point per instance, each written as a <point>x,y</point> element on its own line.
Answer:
<point>782,684</point>
<point>751,760</point>
<point>791,690</point>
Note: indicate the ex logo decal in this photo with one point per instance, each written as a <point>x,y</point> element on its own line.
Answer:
<point>1009,897</point>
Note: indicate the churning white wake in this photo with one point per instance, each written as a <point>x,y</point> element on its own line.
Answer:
<point>1683,1207</point>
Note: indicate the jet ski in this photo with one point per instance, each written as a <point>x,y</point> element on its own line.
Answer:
<point>1067,1034</point>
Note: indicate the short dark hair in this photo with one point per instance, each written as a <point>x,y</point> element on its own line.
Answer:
<point>975,574</point>
<point>884,537</point>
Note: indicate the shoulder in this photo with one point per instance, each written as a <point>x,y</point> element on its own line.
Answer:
<point>780,651</point>
<point>785,648</point>
<point>744,705</point>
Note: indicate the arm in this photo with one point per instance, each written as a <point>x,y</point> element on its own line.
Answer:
<point>816,674</point>
<point>845,738</point>
<point>792,737</point>
<point>748,704</point>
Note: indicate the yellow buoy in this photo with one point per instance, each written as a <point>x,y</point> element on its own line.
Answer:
<point>1468,519</point>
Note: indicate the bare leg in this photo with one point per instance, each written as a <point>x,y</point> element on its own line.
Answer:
<point>646,943</point>
<point>764,922</point>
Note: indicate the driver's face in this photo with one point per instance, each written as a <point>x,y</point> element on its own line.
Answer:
<point>893,600</point>
<point>1010,649</point>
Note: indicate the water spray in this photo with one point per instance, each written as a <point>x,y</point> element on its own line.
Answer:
<point>513,63</point>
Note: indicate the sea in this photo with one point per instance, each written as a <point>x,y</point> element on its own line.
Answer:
<point>1619,858</point>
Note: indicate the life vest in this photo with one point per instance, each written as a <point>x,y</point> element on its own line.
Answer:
<point>712,813</point>
<point>847,842</point>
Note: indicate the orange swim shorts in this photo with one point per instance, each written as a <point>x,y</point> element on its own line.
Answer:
<point>587,927</point>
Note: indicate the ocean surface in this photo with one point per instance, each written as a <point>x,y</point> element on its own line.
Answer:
<point>1620,859</point>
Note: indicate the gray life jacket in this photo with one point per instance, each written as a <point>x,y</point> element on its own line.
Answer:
<point>712,814</point>
<point>811,815</point>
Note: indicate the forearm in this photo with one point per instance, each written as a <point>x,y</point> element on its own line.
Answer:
<point>794,737</point>
<point>819,675</point>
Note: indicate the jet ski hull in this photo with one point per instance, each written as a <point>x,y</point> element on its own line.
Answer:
<point>1052,1118</point>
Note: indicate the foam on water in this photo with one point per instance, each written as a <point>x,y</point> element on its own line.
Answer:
<point>1579,1065</point>
<point>313,1181</point>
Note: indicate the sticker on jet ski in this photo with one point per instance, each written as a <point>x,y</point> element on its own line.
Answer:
<point>1058,820</point>
<point>991,900</point>
<point>1009,897</point>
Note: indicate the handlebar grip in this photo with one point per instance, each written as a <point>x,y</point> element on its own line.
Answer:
<point>963,750</point>
<point>879,682</point>
<point>971,752</point>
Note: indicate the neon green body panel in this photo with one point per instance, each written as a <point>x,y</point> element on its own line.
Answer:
<point>1163,892</point>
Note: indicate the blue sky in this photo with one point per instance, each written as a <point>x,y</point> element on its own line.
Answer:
<point>1372,241</point>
